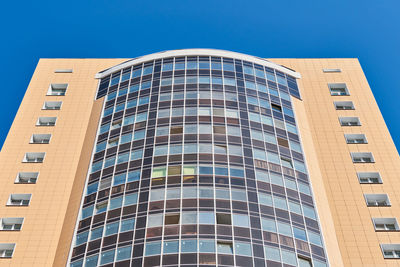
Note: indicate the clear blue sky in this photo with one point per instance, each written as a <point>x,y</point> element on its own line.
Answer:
<point>368,30</point>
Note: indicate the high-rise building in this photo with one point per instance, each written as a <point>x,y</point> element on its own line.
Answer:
<point>199,157</point>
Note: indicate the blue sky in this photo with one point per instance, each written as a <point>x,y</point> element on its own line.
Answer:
<point>368,30</point>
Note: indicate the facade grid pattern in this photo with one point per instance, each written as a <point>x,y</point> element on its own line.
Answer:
<point>198,161</point>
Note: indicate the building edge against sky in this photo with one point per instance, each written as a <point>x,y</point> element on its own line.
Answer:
<point>352,165</point>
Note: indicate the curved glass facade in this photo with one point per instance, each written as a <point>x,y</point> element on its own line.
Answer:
<point>198,162</point>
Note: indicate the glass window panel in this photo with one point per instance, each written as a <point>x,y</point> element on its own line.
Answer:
<point>222,193</point>
<point>107,256</point>
<point>188,246</point>
<point>294,207</point>
<point>299,233</point>
<point>124,253</point>
<point>96,233</point>
<point>171,247</point>
<point>309,212</point>
<point>243,249</point>
<point>289,257</point>
<point>189,217</point>
<point>91,261</point>
<point>157,195</point>
<point>206,192</point>
<point>153,248</point>
<point>189,192</point>
<point>81,238</point>
<point>112,228</point>
<point>262,176</point>
<point>240,220</point>
<point>315,238</point>
<point>127,225</point>
<point>206,218</point>
<point>154,220</point>
<point>272,254</point>
<point>139,134</point>
<point>224,248</point>
<point>136,154</point>
<point>92,188</point>
<point>206,246</point>
<point>173,193</point>
<point>133,176</point>
<point>189,170</point>
<point>239,195</point>
<point>268,225</point>
<point>280,203</point>
<point>265,199</point>
<point>119,179</point>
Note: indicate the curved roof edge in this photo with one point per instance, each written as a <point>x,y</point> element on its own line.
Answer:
<point>196,52</point>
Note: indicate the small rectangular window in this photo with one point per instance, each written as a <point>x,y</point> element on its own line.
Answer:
<point>46,121</point>
<point>26,178</point>
<point>11,224</point>
<point>355,139</point>
<point>337,89</point>
<point>6,250</point>
<point>224,218</point>
<point>34,157</point>
<point>369,177</point>
<point>63,71</point>
<point>172,219</point>
<point>362,157</point>
<point>52,105</point>
<point>304,262</point>
<point>19,200</point>
<point>40,139</point>
<point>349,121</point>
<point>276,107</point>
<point>385,224</point>
<point>57,89</point>
<point>331,70</point>
<point>377,200</point>
<point>391,251</point>
<point>344,105</point>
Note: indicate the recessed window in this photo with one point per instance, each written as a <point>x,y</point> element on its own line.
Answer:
<point>52,105</point>
<point>224,247</point>
<point>40,139</point>
<point>369,177</point>
<point>377,200</point>
<point>362,157</point>
<point>304,262</point>
<point>116,124</point>
<point>349,121</point>
<point>34,157</point>
<point>276,107</point>
<point>172,219</point>
<point>26,178</point>
<point>176,130</point>
<point>355,139</point>
<point>11,224</point>
<point>344,105</point>
<point>46,121</point>
<point>385,224</point>
<point>391,251</point>
<point>63,71</point>
<point>331,70</point>
<point>338,89</point>
<point>6,250</point>
<point>57,89</point>
<point>19,200</point>
<point>224,218</point>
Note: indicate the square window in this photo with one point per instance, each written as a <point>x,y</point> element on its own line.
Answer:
<point>338,89</point>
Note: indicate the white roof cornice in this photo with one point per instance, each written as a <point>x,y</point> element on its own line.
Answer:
<point>197,52</point>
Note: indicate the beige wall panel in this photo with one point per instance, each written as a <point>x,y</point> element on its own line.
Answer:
<point>36,243</point>
<point>352,219</point>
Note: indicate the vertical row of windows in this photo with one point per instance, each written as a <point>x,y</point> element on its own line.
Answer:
<point>372,200</point>
<point>21,200</point>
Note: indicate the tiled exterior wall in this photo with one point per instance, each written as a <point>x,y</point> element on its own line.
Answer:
<point>357,239</point>
<point>37,241</point>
